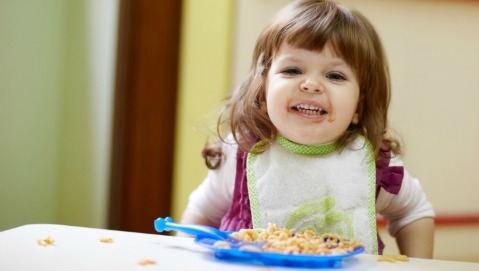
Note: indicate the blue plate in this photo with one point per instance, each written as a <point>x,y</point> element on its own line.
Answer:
<point>234,254</point>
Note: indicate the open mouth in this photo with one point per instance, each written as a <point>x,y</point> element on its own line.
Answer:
<point>309,109</point>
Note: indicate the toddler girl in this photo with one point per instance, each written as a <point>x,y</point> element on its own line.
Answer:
<point>304,139</point>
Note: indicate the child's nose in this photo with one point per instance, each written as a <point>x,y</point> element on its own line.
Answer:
<point>312,86</point>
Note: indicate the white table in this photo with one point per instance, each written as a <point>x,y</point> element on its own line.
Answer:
<point>78,248</point>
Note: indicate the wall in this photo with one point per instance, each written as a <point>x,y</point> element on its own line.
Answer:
<point>30,63</point>
<point>86,112</point>
<point>56,74</point>
<point>205,72</point>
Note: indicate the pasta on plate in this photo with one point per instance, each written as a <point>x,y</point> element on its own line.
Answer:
<point>289,241</point>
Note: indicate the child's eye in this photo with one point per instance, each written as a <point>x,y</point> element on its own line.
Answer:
<point>291,71</point>
<point>336,76</point>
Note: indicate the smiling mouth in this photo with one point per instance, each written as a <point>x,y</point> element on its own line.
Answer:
<point>309,109</point>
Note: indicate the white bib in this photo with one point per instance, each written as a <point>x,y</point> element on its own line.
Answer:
<point>316,187</point>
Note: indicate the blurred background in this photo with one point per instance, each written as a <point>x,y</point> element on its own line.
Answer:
<point>106,105</point>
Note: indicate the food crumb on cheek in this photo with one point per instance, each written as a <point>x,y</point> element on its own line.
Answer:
<point>331,117</point>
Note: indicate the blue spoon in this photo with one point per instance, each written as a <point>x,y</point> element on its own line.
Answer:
<point>167,224</point>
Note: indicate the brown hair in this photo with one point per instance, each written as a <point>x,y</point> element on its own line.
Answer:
<point>311,24</point>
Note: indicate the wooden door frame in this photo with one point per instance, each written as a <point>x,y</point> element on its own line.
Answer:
<point>144,113</point>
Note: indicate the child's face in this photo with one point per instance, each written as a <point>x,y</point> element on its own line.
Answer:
<point>311,97</point>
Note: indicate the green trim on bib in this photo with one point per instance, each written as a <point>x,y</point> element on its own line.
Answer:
<point>372,196</point>
<point>306,149</point>
<point>252,191</point>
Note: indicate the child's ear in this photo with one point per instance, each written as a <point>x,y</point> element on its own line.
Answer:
<point>355,119</point>
<point>359,111</point>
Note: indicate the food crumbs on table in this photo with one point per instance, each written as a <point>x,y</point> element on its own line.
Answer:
<point>386,258</point>
<point>402,258</point>
<point>46,242</point>
<point>145,262</point>
<point>106,240</point>
<point>393,258</point>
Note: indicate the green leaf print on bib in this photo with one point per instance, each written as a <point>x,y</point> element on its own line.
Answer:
<point>324,220</point>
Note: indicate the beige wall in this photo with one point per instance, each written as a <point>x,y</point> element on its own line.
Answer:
<point>433,50</point>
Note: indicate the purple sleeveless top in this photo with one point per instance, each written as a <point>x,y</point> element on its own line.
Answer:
<point>238,215</point>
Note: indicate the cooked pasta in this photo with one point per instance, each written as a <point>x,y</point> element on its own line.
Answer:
<point>290,241</point>
<point>106,240</point>
<point>46,242</point>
